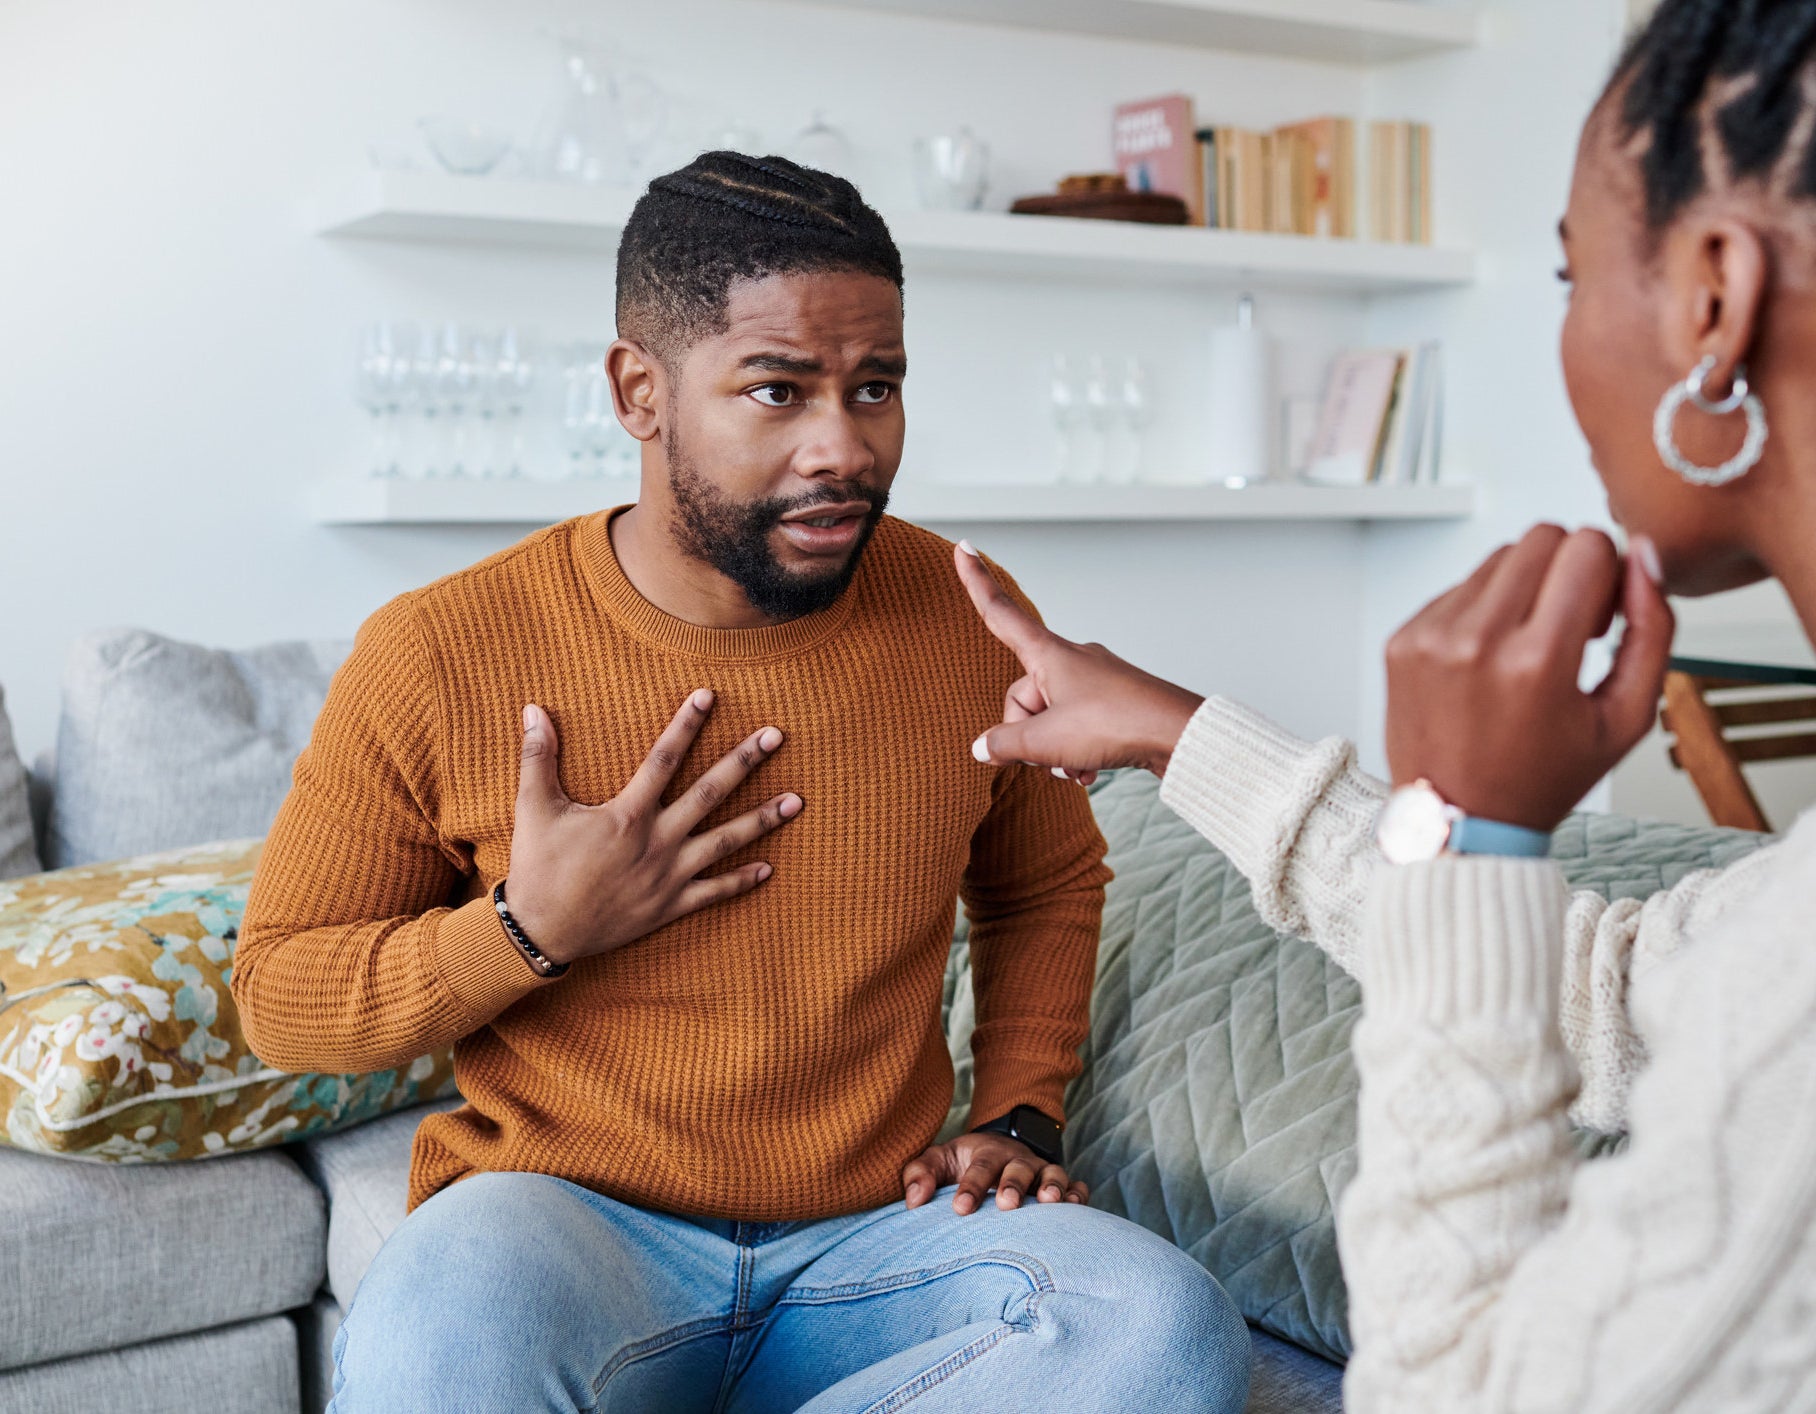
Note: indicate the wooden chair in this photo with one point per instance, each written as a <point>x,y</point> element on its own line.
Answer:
<point>1705,746</point>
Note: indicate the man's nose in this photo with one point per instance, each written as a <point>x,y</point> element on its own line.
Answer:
<point>836,447</point>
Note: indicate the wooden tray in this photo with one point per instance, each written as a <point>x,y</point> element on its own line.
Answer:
<point>1147,206</point>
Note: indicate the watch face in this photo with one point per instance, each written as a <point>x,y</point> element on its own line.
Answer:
<point>1415,825</point>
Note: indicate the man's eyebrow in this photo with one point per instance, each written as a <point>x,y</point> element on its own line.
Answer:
<point>1563,231</point>
<point>780,363</point>
<point>890,365</point>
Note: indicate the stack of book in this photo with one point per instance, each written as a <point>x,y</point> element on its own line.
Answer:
<point>1381,419</point>
<point>1399,182</point>
<point>1300,179</point>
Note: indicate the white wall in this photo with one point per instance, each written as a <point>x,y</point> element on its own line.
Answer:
<point>176,366</point>
<point>178,356</point>
<point>1507,119</point>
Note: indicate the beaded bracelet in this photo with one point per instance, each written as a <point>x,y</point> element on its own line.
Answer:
<point>532,954</point>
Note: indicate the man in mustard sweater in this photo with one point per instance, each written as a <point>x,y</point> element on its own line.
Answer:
<point>694,989</point>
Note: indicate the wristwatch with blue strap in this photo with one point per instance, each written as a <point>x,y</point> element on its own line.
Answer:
<point>1418,824</point>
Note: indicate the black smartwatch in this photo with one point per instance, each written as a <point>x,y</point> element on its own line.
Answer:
<point>1029,1126</point>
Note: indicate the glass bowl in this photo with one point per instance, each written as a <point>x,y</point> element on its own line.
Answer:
<point>464,148</point>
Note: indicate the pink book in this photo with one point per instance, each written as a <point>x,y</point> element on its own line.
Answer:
<point>1353,421</point>
<point>1156,147</point>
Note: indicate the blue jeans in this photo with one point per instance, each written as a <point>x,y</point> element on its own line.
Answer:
<point>518,1292</point>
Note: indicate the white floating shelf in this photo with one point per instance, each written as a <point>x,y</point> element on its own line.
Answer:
<point>431,206</point>
<point>1336,31</point>
<point>375,501</point>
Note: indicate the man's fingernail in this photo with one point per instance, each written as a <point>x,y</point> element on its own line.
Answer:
<point>981,748</point>
<point>769,738</point>
<point>789,806</point>
<point>969,549</point>
<point>763,873</point>
<point>703,698</point>
<point>1646,553</point>
<point>529,717</point>
<point>1062,773</point>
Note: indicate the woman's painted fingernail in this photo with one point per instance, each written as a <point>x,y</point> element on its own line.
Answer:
<point>769,738</point>
<point>981,748</point>
<point>969,549</point>
<point>1062,773</point>
<point>1646,553</point>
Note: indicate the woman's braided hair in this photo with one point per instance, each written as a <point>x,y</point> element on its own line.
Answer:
<point>726,217</point>
<point>1728,81</point>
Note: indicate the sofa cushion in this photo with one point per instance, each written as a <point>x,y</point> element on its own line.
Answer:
<point>18,850</point>
<point>1288,1380</point>
<point>1217,1105</point>
<point>94,1256</point>
<point>365,1174</point>
<point>119,1039</point>
<point>243,1369</point>
<point>163,744</point>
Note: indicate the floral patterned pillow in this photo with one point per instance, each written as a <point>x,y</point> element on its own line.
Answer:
<point>119,1041</point>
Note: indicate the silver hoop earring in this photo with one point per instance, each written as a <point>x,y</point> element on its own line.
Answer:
<point>1740,397</point>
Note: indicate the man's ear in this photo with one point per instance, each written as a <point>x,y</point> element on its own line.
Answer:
<point>1716,272</point>
<point>639,388</point>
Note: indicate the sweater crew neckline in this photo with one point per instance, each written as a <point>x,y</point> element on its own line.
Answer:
<point>620,599</point>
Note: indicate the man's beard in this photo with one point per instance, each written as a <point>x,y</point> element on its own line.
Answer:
<point>733,538</point>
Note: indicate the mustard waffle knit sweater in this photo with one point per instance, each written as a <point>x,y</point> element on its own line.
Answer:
<point>774,1058</point>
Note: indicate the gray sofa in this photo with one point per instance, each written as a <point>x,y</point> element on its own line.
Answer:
<point>1217,1106</point>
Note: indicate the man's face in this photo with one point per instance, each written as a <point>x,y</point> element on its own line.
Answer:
<point>783,435</point>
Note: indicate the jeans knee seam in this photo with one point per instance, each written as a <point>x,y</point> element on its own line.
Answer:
<point>629,1355</point>
<point>937,1375</point>
<point>1035,1271</point>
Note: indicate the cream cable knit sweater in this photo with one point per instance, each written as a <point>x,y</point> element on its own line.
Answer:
<point>1485,1271</point>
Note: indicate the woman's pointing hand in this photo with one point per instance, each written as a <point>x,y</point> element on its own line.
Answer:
<point>1079,709</point>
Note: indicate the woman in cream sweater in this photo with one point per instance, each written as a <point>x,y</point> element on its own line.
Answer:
<point>1488,1270</point>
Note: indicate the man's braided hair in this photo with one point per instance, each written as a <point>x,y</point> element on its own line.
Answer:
<point>727,217</point>
<point>1714,93</point>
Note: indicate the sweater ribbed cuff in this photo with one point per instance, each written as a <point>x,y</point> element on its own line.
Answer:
<point>1465,938</point>
<point>478,962</point>
<point>1248,787</point>
<point>1000,1083</point>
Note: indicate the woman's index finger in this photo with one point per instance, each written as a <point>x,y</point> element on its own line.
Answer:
<point>1019,630</point>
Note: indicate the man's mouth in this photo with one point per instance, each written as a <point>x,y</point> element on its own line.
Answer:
<point>826,530</point>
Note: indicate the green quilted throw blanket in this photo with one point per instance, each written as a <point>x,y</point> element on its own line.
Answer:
<point>1218,1101</point>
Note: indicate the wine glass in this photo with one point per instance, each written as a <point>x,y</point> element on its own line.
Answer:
<point>1103,406</point>
<point>423,458</point>
<point>381,354</point>
<point>1066,390</point>
<point>455,374</point>
<point>1136,405</point>
<point>516,376</point>
<point>484,353</point>
<point>576,438</point>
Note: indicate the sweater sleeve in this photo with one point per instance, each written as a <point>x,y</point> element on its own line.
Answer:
<point>1488,1269</point>
<point>352,956</point>
<point>1034,891</point>
<point>1298,820</point>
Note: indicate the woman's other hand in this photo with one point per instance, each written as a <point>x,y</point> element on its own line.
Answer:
<point>1080,709</point>
<point>1482,686</point>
